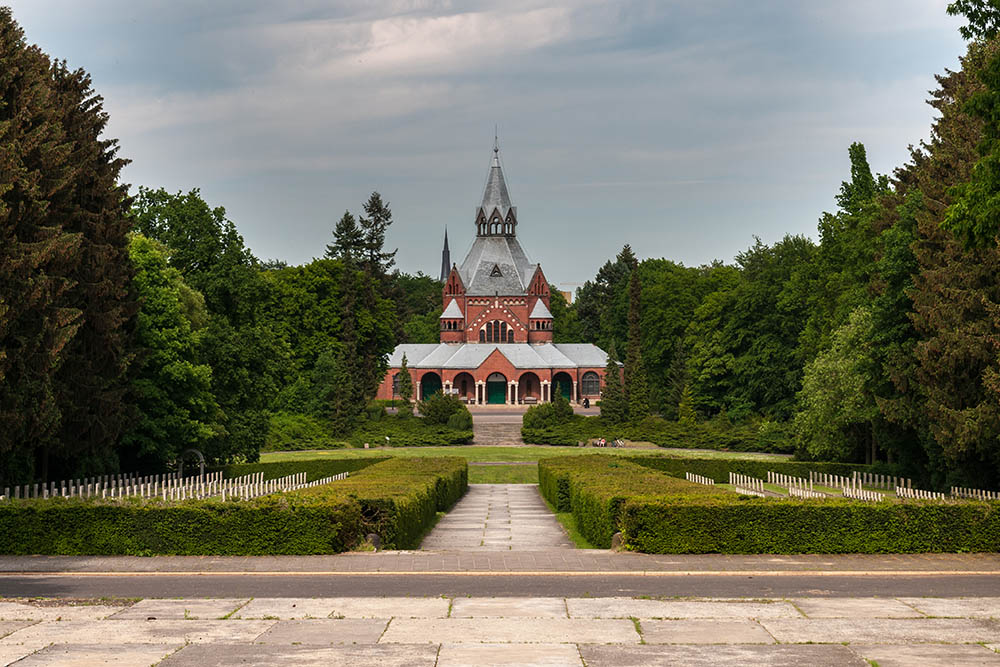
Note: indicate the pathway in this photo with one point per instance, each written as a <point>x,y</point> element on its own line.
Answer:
<point>498,517</point>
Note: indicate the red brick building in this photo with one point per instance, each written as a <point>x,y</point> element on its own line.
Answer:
<point>496,327</point>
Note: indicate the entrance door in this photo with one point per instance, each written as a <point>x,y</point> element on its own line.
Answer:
<point>565,384</point>
<point>496,389</point>
<point>429,384</point>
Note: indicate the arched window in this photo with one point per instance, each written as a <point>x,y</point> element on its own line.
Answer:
<point>510,335</point>
<point>482,335</point>
<point>590,385</point>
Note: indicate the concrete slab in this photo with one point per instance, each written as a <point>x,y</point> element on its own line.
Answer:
<point>93,655</point>
<point>508,655</point>
<point>710,656</point>
<point>18,611</point>
<point>158,609</point>
<point>704,631</point>
<point>389,607</point>
<point>855,608</point>
<point>325,631</point>
<point>508,608</point>
<point>263,655</point>
<point>286,608</point>
<point>137,632</point>
<point>625,607</point>
<point>514,630</point>
<point>7,627</point>
<point>956,607</point>
<point>11,654</point>
<point>929,655</point>
<point>883,631</point>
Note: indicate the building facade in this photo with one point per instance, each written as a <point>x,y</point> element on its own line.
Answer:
<point>496,327</point>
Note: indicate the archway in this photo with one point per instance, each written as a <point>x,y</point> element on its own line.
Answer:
<point>590,384</point>
<point>465,385</point>
<point>529,386</point>
<point>496,389</point>
<point>430,383</point>
<point>565,384</point>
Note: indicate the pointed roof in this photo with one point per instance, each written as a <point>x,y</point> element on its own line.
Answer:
<point>495,196</point>
<point>445,258</point>
<point>540,311</point>
<point>452,312</point>
<point>496,252</point>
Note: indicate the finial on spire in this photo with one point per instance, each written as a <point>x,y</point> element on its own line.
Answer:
<point>496,139</point>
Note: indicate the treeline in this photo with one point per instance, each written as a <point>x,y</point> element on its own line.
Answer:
<point>879,342</point>
<point>135,328</point>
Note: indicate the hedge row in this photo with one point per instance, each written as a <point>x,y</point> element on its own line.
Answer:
<point>395,498</point>
<point>407,432</point>
<point>663,433</point>
<point>657,513</point>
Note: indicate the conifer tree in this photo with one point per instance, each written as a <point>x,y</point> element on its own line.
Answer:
<point>377,219</point>
<point>685,409</point>
<point>614,409</point>
<point>35,253</point>
<point>636,384</point>
<point>405,389</point>
<point>348,240</point>
<point>91,382</point>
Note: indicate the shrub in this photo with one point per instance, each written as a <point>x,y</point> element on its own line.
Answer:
<point>438,407</point>
<point>403,431</point>
<point>375,411</point>
<point>395,498</point>
<point>290,431</point>
<point>460,421</point>
<point>659,514</point>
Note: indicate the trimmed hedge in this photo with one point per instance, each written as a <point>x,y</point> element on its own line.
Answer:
<point>657,513</point>
<point>394,498</point>
<point>741,438</point>
<point>407,432</point>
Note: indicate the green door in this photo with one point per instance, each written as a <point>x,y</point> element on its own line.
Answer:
<point>496,393</point>
<point>429,384</point>
<point>564,384</point>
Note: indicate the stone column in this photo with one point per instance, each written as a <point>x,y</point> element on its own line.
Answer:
<point>517,394</point>
<point>416,391</point>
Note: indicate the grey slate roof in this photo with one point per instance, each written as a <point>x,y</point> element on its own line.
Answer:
<point>453,311</point>
<point>503,252</point>
<point>520,355</point>
<point>540,311</point>
<point>495,195</point>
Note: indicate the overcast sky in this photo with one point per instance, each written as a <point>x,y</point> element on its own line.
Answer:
<point>682,128</point>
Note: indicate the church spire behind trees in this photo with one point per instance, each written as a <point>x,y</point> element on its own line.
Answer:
<point>445,258</point>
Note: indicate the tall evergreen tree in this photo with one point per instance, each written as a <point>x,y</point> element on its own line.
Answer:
<point>348,240</point>
<point>614,409</point>
<point>35,256</point>
<point>405,389</point>
<point>374,224</point>
<point>91,381</point>
<point>636,382</point>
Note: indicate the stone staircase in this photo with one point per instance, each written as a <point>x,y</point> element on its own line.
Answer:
<point>496,434</point>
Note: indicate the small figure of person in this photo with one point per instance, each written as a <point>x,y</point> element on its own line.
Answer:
<point>586,403</point>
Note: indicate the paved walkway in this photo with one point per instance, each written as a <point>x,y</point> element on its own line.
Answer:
<point>499,517</point>
<point>444,632</point>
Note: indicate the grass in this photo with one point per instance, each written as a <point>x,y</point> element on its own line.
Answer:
<point>568,522</point>
<point>503,474</point>
<point>475,453</point>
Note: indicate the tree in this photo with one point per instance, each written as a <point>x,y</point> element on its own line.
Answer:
<point>91,382</point>
<point>686,415</point>
<point>405,389</point>
<point>35,256</point>
<point>636,383</point>
<point>377,219</point>
<point>837,406</point>
<point>338,393</point>
<point>171,391</point>
<point>565,322</point>
<point>348,241</point>
<point>614,409</point>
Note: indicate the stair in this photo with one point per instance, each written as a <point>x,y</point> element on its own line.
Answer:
<point>496,434</point>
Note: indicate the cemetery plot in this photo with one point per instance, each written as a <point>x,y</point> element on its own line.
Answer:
<point>657,513</point>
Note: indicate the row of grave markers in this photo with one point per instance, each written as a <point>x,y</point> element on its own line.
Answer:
<point>171,488</point>
<point>858,480</point>
<point>84,487</point>
<point>699,479</point>
<point>748,486</point>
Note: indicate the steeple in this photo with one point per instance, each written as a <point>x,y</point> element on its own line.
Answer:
<point>495,216</point>
<point>445,258</point>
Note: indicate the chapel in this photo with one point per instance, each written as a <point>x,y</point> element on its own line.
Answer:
<point>496,327</point>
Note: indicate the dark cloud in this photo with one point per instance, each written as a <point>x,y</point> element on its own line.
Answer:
<point>682,128</point>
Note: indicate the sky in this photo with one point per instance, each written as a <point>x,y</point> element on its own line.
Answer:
<point>682,128</point>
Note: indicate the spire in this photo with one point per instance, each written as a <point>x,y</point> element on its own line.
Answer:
<point>496,199</point>
<point>445,258</point>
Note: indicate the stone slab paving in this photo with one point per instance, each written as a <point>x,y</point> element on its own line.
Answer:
<point>963,607</point>
<point>499,517</point>
<point>928,654</point>
<point>18,611</point>
<point>445,632</point>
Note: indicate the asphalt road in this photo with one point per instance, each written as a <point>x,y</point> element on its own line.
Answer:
<point>499,585</point>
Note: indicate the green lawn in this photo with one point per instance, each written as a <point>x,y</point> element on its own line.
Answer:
<point>486,453</point>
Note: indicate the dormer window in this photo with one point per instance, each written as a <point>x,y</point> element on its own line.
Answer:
<point>496,273</point>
